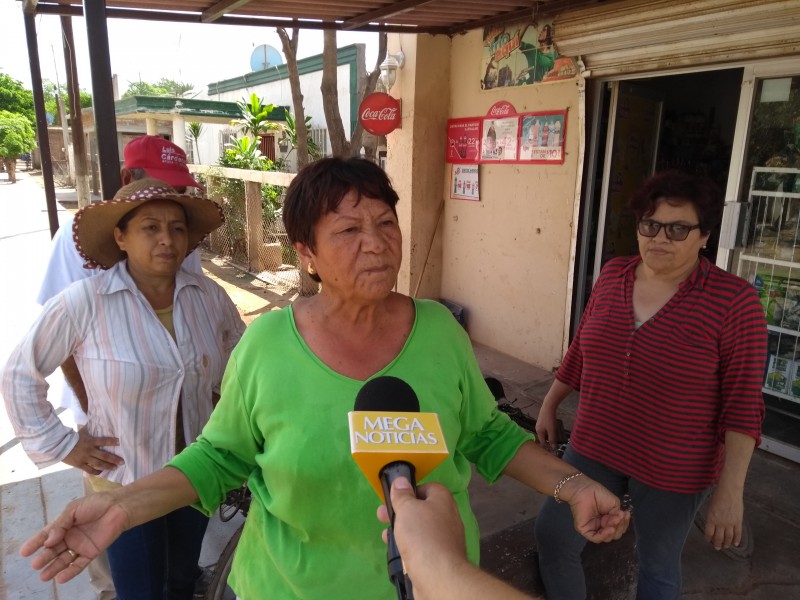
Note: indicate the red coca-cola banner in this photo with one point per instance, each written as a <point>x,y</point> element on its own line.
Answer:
<point>464,140</point>
<point>506,136</point>
<point>379,113</point>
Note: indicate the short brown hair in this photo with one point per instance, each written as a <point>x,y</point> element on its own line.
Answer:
<point>700,192</point>
<point>319,188</point>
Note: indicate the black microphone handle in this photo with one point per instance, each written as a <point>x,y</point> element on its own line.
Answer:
<point>394,562</point>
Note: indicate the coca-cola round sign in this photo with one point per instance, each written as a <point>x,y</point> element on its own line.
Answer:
<point>379,113</point>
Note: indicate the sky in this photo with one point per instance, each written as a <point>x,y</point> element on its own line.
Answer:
<point>192,53</point>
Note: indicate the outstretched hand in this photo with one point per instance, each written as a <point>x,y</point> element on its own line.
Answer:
<point>596,512</point>
<point>79,534</point>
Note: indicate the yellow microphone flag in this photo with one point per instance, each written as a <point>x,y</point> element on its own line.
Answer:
<point>378,438</point>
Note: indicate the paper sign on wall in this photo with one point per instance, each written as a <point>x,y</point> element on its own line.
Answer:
<point>464,183</point>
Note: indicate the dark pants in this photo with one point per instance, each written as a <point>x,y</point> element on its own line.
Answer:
<point>661,521</point>
<point>158,560</point>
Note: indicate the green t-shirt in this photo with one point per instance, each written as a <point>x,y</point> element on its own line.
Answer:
<point>282,424</point>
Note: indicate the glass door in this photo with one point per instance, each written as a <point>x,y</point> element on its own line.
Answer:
<point>768,246</point>
<point>635,123</point>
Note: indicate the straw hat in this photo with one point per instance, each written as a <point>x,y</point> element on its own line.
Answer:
<point>93,228</point>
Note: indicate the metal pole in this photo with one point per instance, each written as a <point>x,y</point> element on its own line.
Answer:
<point>75,114</point>
<point>102,96</point>
<point>41,122</point>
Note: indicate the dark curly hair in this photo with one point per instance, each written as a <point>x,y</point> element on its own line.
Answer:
<point>319,188</point>
<point>679,187</point>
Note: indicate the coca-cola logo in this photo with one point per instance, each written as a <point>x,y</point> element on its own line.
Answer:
<point>379,113</point>
<point>503,108</point>
<point>384,114</point>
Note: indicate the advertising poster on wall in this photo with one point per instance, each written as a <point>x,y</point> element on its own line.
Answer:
<point>463,140</point>
<point>522,54</point>
<point>499,139</point>
<point>542,137</point>
<point>464,183</point>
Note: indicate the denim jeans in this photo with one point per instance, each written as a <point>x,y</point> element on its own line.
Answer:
<point>661,522</point>
<point>158,559</point>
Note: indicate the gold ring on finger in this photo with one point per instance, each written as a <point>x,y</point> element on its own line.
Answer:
<point>72,555</point>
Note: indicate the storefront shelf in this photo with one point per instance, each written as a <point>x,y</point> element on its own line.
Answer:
<point>753,258</point>
<point>770,260</point>
<point>789,397</point>
<point>783,330</point>
<point>780,448</point>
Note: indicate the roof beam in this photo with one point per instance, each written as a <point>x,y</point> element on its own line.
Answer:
<point>220,9</point>
<point>396,8</point>
<point>187,17</point>
<point>29,6</point>
<point>525,14</point>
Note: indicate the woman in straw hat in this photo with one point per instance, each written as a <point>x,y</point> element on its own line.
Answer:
<point>151,341</point>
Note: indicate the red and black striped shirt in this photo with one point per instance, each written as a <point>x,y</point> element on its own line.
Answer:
<point>655,402</point>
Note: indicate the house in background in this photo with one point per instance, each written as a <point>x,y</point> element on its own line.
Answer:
<point>272,85</point>
<point>157,115</point>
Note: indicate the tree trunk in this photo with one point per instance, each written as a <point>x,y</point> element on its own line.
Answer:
<point>11,168</point>
<point>75,116</point>
<point>290,51</point>
<point>367,86</point>
<point>330,95</point>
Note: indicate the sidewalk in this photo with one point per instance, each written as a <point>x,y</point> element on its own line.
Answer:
<point>505,511</point>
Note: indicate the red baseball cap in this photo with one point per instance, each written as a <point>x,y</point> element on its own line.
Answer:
<point>160,159</point>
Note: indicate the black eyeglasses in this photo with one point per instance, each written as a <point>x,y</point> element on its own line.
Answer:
<point>677,232</point>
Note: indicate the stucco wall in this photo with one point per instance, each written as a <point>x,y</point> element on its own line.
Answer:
<point>414,158</point>
<point>506,259</point>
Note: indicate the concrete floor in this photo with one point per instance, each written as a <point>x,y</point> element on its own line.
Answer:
<point>506,512</point>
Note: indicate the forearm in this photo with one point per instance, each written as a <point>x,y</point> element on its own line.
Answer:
<point>155,496</point>
<point>464,582</point>
<point>555,395</point>
<point>539,469</point>
<point>739,449</point>
<point>73,376</point>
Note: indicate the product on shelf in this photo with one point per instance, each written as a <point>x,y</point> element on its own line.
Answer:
<point>791,306</point>
<point>793,385</point>
<point>772,291</point>
<point>778,374</point>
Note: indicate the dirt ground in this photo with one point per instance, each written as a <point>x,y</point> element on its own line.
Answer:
<point>251,295</point>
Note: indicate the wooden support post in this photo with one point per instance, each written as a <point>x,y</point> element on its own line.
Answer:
<point>253,218</point>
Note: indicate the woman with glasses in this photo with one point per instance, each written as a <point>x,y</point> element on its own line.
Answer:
<point>669,360</point>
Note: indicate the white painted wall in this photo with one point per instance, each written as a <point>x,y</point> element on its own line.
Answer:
<point>280,94</point>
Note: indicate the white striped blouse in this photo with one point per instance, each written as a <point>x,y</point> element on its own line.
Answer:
<point>134,372</point>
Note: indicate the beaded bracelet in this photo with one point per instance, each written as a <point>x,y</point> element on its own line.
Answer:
<point>561,483</point>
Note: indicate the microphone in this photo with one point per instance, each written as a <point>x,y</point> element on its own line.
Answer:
<point>390,438</point>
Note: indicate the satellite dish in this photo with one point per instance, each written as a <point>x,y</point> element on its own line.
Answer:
<point>264,57</point>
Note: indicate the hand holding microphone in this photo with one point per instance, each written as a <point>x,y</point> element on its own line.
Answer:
<point>427,528</point>
<point>430,536</point>
<point>391,439</point>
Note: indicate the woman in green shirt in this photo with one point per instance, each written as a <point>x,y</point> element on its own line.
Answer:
<point>282,424</point>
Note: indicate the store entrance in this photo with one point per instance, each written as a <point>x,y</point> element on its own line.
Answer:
<point>638,127</point>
